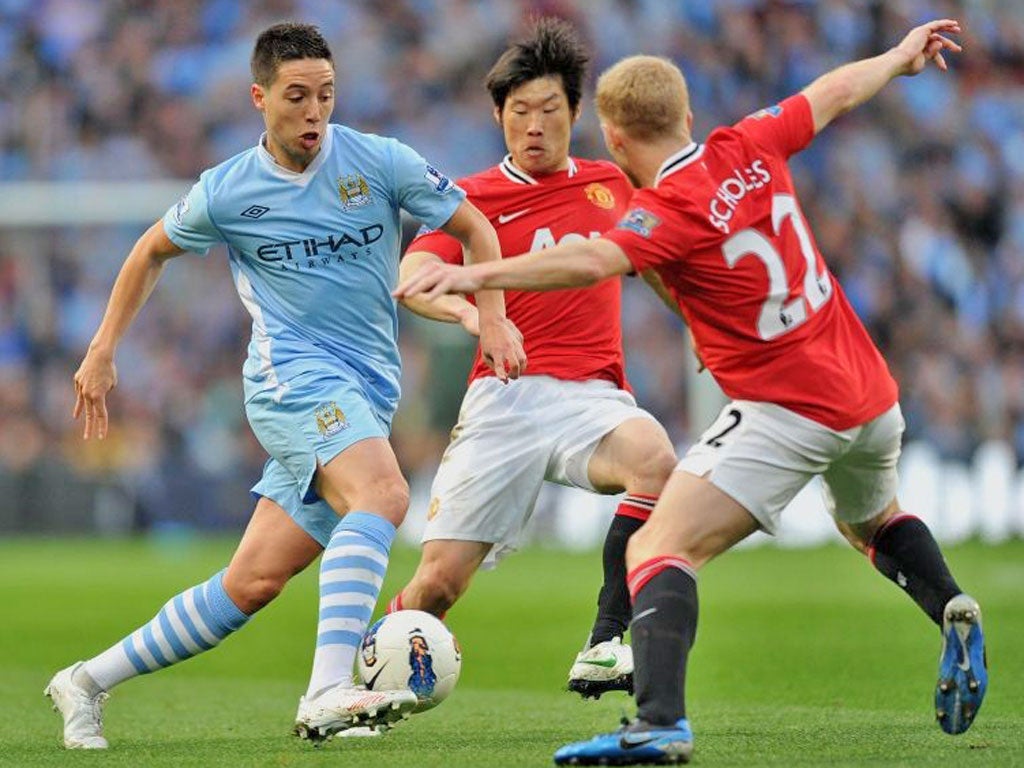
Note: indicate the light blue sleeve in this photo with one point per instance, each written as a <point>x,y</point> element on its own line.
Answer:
<point>421,189</point>
<point>188,223</point>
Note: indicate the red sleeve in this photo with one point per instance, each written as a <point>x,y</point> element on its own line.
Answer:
<point>651,233</point>
<point>783,129</point>
<point>439,243</point>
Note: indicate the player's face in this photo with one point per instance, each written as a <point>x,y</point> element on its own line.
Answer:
<point>537,123</point>
<point>296,107</point>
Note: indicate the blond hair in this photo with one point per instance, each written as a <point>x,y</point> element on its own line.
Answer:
<point>646,96</point>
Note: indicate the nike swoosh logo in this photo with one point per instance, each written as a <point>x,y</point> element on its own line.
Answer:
<point>505,218</point>
<point>643,614</point>
<point>372,680</point>
<point>608,662</point>
<point>964,662</point>
<point>632,741</point>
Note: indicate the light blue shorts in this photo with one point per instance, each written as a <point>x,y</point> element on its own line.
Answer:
<point>309,419</point>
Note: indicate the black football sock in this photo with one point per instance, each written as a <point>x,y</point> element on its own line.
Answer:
<point>663,630</point>
<point>905,551</point>
<point>613,608</point>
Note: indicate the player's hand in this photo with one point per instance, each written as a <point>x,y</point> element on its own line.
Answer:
<point>469,319</point>
<point>436,279</point>
<point>926,43</point>
<point>501,346</point>
<point>96,376</point>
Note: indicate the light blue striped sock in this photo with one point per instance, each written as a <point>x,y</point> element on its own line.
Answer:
<point>351,571</point>
<point>193,622</point>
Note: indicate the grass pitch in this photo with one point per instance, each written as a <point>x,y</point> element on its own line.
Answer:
<point>803,658</point>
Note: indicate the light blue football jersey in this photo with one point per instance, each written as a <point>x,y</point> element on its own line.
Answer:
<point>315,254</point>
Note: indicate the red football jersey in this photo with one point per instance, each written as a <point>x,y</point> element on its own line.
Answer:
<point>573,334</point>
<point>723,228</point>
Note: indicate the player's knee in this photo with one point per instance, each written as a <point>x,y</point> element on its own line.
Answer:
<point>250,593</point>
<point>389,499</point>
<point>656,466</point>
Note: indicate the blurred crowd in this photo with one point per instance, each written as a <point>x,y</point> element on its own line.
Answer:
<point>917,200</point>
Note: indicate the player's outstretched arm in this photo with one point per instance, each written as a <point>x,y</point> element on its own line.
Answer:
<point>567,265</point>
<point>850,85</point>
<point>450,308</point>
<point>501,344</point>
<point>97,375</point>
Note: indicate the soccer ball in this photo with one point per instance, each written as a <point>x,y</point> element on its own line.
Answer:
<point>410,650</point>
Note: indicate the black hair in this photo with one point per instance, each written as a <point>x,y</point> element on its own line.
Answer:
<point>285,42</point>
<point>552,47</point>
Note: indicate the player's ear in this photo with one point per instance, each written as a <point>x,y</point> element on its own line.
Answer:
<point>577,112</point>
<point>612,137</point>
<point>258,96</point>
<point>497,116</point>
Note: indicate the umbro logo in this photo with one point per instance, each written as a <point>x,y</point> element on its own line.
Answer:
<point>254,211</point>
<point>505,218</point>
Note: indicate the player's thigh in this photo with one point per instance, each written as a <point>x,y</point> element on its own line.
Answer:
<point>311,420</point>
<point>761,455</point>
<point>636,455</point>
<point>365,476</point>
<point>601,438</point>
<point>272,550</point>
<point>860,486</point>
<point>693,519</point>
<point>316,518</point>
<point>491,472</point>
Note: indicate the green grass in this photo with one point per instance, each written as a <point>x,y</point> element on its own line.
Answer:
<point>803,658</point>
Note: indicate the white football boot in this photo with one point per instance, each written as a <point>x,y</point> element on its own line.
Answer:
<point>82,713</point>
<point>604,667</point>
<point>339,709</point>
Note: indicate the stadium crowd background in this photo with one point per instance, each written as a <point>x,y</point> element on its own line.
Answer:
<point>917,200</point>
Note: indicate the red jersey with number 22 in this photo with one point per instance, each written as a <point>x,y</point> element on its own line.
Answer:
<point>723,229</point>
<point>573,334</point>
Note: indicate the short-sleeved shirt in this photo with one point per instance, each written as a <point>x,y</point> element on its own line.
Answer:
<point>723,229</point>
<point>573,334</point>
<point>314,254</point>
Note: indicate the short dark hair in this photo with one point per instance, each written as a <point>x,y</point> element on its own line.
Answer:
<point>285,42</point>
<point>552,47</point>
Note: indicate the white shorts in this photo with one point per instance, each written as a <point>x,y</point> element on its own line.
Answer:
<point>762,455</point>
<point>509,439</point>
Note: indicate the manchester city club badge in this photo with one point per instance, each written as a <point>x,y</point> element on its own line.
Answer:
<point>353,191</point>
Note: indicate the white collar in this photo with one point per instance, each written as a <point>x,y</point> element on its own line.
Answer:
<point>679,160</point>
<point>520,176</point>
<point>302,178</point>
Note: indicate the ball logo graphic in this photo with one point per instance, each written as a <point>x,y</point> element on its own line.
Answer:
<point>422,679</point>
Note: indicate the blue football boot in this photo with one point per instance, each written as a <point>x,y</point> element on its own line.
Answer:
<point>963,676</point>
<point>636,743</point>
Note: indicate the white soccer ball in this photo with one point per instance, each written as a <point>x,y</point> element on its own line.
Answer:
<point>410,650</point>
